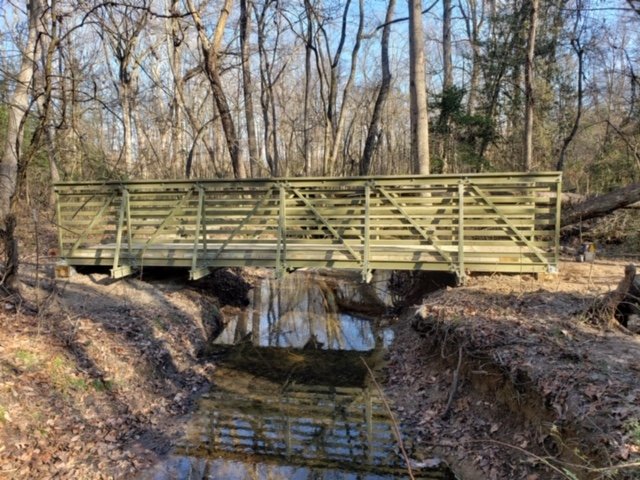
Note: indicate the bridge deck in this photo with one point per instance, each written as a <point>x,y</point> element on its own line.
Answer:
<point>481,222</point>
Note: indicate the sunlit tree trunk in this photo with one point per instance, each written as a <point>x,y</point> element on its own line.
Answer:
<point>247,84</point>
<point>375,126</point>
<point>210,51</point>
<point>528,83</point>
<point>418,91</point>
<point>9,163</point>
<point>307,89</point>
<point>447,83</point>
<point>339,127</point>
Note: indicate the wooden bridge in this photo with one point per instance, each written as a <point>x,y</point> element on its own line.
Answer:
<point>507,222</point>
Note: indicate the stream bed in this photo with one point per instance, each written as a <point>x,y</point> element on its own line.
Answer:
<point>292,396</point>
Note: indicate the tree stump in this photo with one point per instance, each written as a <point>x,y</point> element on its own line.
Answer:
<point>607,311</point>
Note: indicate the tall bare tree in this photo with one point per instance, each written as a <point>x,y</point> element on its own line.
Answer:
<point>122,27</point>
<point>529,85</point>
<point>418,91</point>
<point>375,126</point>
<point>247,83</point>
<point>210,47</point>
<point>11,160</point>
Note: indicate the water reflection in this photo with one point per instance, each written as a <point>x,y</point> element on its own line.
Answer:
<point>303,310</point>
<point>252,428</point>
<point>290,396</point>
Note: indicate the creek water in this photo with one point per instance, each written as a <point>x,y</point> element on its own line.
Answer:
<point>292,397</point>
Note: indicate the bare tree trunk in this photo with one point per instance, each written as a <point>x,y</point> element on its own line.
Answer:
<point>447,82</point>
<point>528,85</point>
<point>307,87</point>
<point>418,91</point>
<point>375,126</point>
<point>17,111</point>
<point>247,84</point>
<point>175,37</point>
<point>339,128</point>
<point>48,126</point>
<point>125,102</point>
<point>569,138</point>
<point>210,51</point>
<point>447,65</point>
<point>473,24</point>
<point>267,97</point>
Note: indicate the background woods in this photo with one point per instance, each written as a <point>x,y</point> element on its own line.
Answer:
<point>199,88</point>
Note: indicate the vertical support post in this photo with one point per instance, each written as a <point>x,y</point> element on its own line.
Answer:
<point>288,436</point>
<point>369,423</point>
<point>194,274</point>
<point>204,223</point>
<point>281,250</point>
<point>129,232</point>
<point>556,242</point>
<point>116,270</point>
<point>59,220</point>
<point>366,271</point>
<point>461,274</point>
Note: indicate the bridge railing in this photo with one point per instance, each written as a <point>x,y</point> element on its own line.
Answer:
<point>459,223</point>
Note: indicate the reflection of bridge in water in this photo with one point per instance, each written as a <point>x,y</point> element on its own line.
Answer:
<point>324,429</point>
<point>457,223</point>
<point>280,407</point>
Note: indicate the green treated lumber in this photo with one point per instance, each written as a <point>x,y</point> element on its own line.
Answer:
<point>197,273</point>
<point>95,219</point>
<point>244,221</point>
<point>461,238</point>
<point>515,230</point>
<point>425,234</point>
<point>324,222</point>
<point>514,223</point>
<point>504,177</point>
<point>121,219</point>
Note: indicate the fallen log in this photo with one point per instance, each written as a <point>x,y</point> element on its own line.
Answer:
<point>601,205</point>
<point>570,200</point>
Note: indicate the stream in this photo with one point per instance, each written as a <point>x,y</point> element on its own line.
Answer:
<point>292,396</point>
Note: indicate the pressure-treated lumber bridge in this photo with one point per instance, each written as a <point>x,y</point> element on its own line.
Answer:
<point>507,222</point>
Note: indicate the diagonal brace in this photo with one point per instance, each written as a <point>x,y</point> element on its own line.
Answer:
<point>326,224</point>
<point>429,238</point>
<point>517,232</point>
<point>92,223</point>
<point>244,221</point>
<point>164,223</point>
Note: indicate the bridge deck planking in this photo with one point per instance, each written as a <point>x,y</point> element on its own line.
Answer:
<point>481,222</point>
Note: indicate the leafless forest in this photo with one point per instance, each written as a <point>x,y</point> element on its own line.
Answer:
<point>253,88</point>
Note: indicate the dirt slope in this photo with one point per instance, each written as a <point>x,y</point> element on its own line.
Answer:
<point>541,393</point>
<point>94,385</point>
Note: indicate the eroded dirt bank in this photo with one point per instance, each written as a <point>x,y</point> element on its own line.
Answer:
<point>95,384</point>
<point>539,392</point>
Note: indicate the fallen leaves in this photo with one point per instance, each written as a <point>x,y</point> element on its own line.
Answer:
<point>530,364</point>
<point>80,386</point>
